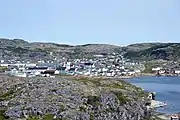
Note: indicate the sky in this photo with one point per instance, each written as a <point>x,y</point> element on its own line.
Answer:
<point>119,22</point>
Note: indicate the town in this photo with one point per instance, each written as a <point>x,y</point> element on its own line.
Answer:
<point>108,66</point>
<point>113,65</point>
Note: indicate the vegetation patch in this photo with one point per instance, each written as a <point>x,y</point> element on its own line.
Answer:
<point>152,64</point>
<point>8,95</point>
<point>45,117</point>
<point>48,117</point>
<point>94,100</point>
<point>94,81</point>
<point>121,97</point>
<point>2,116</point>
<point>33,118</point>
<point>3,69</point>
<point>115,85</point>
<point>92,116</point>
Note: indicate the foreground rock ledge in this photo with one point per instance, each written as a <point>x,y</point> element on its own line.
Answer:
<point>71,99</point>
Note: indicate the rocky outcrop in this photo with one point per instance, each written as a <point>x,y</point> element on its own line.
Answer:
<point>72,99</point>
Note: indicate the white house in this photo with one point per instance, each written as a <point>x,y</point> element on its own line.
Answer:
<point>104,69</point>
<point>21,68</point>
<point>30,64</point>
<point>156,69</point>
<point>2,61</point>
<point>137,71</point>
<point>21,75</point>
<point>56,72</point>
<point>162,71</point>
<point>177,71</point>
<point>109,75</point>
<point>4,65</point>
<point>131,72</point>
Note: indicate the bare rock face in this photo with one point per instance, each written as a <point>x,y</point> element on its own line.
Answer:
<point>71,99</point>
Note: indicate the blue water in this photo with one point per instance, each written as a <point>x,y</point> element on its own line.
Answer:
<point>167,90</point>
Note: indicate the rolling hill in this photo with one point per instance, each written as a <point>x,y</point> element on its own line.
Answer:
<point>37,50</point>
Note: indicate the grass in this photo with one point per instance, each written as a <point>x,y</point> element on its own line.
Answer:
<point>48,117</point>
<point>124,87</point>
<point>8,95</point>
<point>87,81</point>
<point>121,97</point>
<point>3,69</point>
<point>33,118</point>
<point>2,117</point>
<point>152,64</point>
<point>114,85</point>
<point>97,82</point>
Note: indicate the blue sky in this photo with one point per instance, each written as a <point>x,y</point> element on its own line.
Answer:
<point>119,22</point>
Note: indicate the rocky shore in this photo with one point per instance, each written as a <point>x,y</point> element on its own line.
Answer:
<point>71,99</point>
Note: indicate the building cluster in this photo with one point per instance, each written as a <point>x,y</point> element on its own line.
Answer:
<point>108,66</point>
<point>166,71</point>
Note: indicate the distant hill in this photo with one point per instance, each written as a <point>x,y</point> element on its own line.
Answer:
<point>150,51</point>
<point>37,50</point>
<point>23,49</point>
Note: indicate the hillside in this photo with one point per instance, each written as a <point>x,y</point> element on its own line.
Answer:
<point>20,49</point>
<point>165,51</point>
<point>23,49</point>
<point>71,99</point>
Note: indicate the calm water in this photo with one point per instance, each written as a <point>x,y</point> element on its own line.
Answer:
<point>167,89</point>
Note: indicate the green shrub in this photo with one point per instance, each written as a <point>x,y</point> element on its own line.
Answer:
<point>93,100</point>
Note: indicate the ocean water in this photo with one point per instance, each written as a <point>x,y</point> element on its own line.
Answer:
<point>167,90</point>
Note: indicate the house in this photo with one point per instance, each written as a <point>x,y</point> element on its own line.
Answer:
<point>4,65</point>
<point>156,69</point>
<point>21,75</point>
<point>21,69</point>
<point>99,56</point>
<point>17,74</point>
<point>131,73</point>
<point>2,61</point>
<point>30,65</point>
<point>104,69</point>
<point>162,71</point>
<point>137,71</point>
<point>177,71</point>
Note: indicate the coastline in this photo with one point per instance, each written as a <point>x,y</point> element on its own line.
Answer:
<point>163,116</point>
<point>155,103</point>
<point>146,74</point>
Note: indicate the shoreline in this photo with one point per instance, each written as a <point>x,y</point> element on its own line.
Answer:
<point>147,74</point>
<point>163,116</point>
<point>155,103</point>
